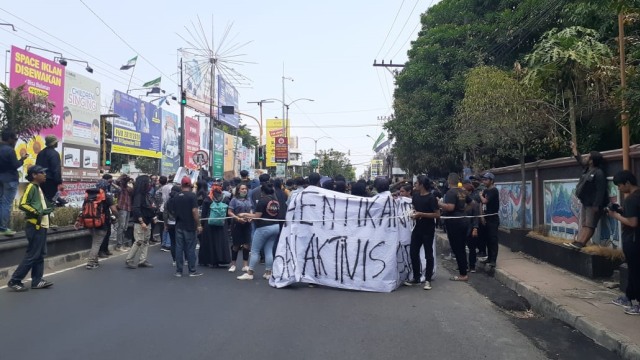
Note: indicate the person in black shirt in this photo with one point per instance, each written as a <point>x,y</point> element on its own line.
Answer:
<point>454,204</point>
<point>98,234</point>
<point>473,221</point>
<point>490,198</point>
<point>185,208</point>
<point>142,213</point>
<point>628,217</point>
<point>426,210</point>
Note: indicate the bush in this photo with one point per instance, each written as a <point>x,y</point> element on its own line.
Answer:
<point>62,216</point>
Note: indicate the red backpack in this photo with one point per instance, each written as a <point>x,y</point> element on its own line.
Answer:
<point>92,215</point>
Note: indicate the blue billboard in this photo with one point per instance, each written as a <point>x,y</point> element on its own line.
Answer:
<point>227,96</point>
<point>138,129</point>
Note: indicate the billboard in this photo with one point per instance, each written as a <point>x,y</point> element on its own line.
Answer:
<point>281,152</point>
<point>170,143</point>
<point>81,135</point>
<point>229,153</point>
<point>191,141</point>
<point>274,130</point>
<point>138,130</point>
<point>197,80</point>
<point>218,153</point>
<point>42,77</point>
<point>227,96</point>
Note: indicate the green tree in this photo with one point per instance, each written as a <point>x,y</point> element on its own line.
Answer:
<point>248,140</point>
<point>333,162</point>
<point>147,165</point>
<point>24,113</point>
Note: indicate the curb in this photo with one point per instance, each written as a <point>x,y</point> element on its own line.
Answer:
<point>551,308</point>
<point>52,263</point>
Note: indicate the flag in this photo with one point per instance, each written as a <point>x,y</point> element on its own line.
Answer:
<point>377,142</point>
<point>152,83</point>
<point>131,63</point>
<point>382,145</point>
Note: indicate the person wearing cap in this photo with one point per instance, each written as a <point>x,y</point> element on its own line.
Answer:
<point>99,234</point>
<point>49,158</point>
<point>9,165</point>
<point>490,199</point>
<point>184,206</point>
<point>37,210</point>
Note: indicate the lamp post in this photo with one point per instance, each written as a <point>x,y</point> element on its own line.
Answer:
<point>64,61</point>
<point>260,105</point>
<point>285,113</point>
<point>315,143</point>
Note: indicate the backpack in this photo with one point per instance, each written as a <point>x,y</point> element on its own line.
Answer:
<point>218,213</point>
<point>93,214</point>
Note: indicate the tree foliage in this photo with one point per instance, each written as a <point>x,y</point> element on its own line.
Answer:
<point>147,165</point>
<point>24,113</point>
<point>333,162</point>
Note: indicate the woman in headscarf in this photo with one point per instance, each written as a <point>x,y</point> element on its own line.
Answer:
<point>214,241</point>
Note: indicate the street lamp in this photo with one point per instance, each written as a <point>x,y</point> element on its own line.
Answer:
<point>64,61</point>
<point>315,141</point>
<point>260,105</point>
<point>286,114</point>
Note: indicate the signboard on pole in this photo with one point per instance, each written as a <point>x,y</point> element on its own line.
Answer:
<point>138,131</point>
<point>200,158</point>
<point>218,153</point>
<point>281,150</point>
<point>274,130</point>
<point>191,141</point>
<point>170,147</point>
<point>227,97</point>
<point>197,80</point>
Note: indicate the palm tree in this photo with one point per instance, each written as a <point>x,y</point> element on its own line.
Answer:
<point>571,61</point>
<point>24,113</point>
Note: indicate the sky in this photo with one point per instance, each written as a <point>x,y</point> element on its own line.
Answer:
<point>326,47</point>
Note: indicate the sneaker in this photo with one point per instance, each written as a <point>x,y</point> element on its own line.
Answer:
<point>194,274</point>
<point>131,265</point>
<point>245,268</point>
<point>622,301</point>
<point>7,232</point>
<point>411,283</point>
<point>125,248</point>
<point>102,255</point>
<point>91,266</point>
<point>173,263</point>
<point>178,274</point>
<point>472,269</point>
<point>245,276</point>
<point>575,245</point>
<point>109,253</point>
<point>17,286</point>
<point>118,248</point>
<point>491,269</point>
<point>481,254</point>
<point>165,249</point>
<point>43,284</point>
<point>145,264</point>
<point>266,275</point>
<point>427,285</point>
<point>633,310</point>
<point>232,268</point>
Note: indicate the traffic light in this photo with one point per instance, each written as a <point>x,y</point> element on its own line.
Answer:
<point>183,98</point>
<point>261,152</point>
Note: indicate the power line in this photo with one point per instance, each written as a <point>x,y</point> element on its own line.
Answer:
<point>382,89</point>
<point>412,33</point>
<point>126,43</point>
<point>403,26</point>
<point>391,28</point>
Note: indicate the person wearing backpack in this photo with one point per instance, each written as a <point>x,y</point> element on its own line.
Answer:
<point>454,204</point>
<point>184,206</point>
<point>214,242</point>
<point>98,212</point>
<point>37,211</point>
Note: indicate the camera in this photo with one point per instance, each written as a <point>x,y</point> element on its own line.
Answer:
<point>614,207</point>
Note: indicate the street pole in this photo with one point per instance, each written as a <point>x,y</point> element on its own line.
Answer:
<point>212,93</point>
<point>623,85</point>
<point>182,139</point>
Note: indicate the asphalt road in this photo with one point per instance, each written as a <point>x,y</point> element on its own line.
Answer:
<point>118,313</point>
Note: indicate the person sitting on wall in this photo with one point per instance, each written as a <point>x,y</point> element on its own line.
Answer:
<point>592,193</point>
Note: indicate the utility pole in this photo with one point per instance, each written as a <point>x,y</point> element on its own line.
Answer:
<point>213,62</point>
<point>182,139</point>
<point>623,85</point>
<point>388,66</point>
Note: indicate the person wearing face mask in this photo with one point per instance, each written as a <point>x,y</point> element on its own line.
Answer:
<point>240,228</point>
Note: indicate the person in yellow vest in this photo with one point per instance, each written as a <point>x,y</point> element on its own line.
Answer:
<point>37,211</point>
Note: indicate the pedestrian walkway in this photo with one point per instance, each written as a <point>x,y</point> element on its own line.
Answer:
<point>581,303</point>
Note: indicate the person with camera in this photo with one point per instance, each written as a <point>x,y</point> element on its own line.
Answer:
<point>125,183</point>
<point>628,216</point>
<point>592,193</point>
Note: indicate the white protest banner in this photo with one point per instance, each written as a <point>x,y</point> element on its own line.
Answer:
<point>344,241</point>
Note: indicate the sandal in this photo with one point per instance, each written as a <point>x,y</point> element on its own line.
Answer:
<point>458,278</point>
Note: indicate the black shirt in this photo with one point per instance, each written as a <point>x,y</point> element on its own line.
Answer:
<point>631,209</point>
<point>493,204</point>
<point>269,206</point>
<point>459,198</point>
<point>182,206</point>
<point>425,204</point>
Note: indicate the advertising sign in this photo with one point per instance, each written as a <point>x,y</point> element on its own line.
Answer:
<point>274,130</point>
<point>228,152</point>
<point>227,96</point>
<point>41,77</point>
<point>281,150</point>
<point>81,134</point>
<point>170,146</point>
<point>191,141</point>
<point>197,80</point>
<point>218,153</point>
<point>138,131</point>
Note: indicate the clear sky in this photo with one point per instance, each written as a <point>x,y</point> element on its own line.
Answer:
<point>327,47</point>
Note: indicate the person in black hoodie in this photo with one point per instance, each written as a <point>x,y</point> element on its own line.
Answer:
<point>143,215</point>
<point>49,158</point>
<point>282,213</point>
<point>9,165</point>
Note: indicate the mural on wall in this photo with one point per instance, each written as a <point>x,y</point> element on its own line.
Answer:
<point>562,212</point>
<point>510,203</point>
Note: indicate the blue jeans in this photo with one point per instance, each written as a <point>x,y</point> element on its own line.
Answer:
<point>34,259</point>
<point>263,239</point>
<point>185,247</point>
<point>166,241</point>
<point>8,191</point>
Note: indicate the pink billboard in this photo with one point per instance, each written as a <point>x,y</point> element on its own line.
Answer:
<point>42,77</point>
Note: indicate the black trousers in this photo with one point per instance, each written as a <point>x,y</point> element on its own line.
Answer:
<point>422,237</point>
<point>632,255</point>
<point>472,243</point>
<point>492,240</point>
<point>171,229</point>
<point>457,233</point>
